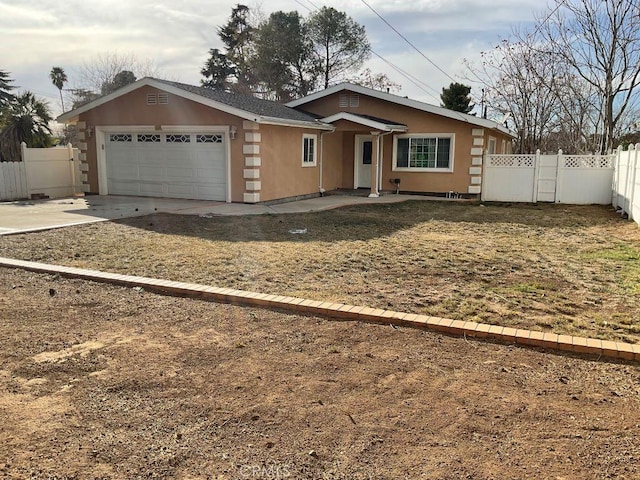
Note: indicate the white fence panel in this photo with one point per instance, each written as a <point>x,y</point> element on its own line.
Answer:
<point>509,178</point>
<point>572,179</point>
<point>52,171</point>
<point>585,179</point>
<point>626,184</point>
<point>13,181</point>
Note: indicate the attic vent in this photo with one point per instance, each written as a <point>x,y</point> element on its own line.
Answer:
<point>163,98</point>
<point>151,99</point>
<point>344,100</point>
<point>354,100</point>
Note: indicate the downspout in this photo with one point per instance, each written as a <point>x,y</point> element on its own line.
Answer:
<point>322,134</point>
<point>380,158</point>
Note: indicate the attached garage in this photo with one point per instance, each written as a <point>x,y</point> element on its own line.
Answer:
<point>167,164</point>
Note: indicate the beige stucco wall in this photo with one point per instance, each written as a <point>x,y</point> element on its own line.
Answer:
<point>417,121</point>
<point>132,110</point>
<point>281,173</point>
<point>276,171</point>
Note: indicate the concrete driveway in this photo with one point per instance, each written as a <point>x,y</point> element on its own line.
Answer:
<point>33,215</point>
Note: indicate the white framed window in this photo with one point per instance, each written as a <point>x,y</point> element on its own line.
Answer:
<point>309,150</point>
<point>422,152</point>
<point>492,145</point>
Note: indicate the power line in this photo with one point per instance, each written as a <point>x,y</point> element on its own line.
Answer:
<point>562,2</point>
<point>305,6</point>
<point>416,81</point>
<point>407,40</point>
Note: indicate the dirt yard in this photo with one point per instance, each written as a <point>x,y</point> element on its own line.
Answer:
<point>567,269</point>
<point>106,382</point>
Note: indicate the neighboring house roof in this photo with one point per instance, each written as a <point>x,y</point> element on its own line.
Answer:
<point>389,97</point>
<point>244,106</point>
<point>368,121</point>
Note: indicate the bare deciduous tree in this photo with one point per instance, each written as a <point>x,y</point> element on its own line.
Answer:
<point>100,71</point>
<point>510,76</point>
<point>599,41</point>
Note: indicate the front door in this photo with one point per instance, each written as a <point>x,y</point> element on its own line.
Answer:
<point>364,148</point>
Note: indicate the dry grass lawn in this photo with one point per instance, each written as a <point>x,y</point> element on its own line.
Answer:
<point>566,269</point>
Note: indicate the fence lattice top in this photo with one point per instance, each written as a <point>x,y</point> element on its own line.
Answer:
<point>588,161</point>
<point>567,161</point>
<point>511,160</point>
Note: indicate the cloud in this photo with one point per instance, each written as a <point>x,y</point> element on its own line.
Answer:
<point>178,35</point>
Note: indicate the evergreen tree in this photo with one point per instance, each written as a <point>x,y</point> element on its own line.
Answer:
<point>5,88</point>
<point>457,98</point>
<point>340,42</point>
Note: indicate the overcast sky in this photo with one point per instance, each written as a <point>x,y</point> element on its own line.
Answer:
<point>36,35</point>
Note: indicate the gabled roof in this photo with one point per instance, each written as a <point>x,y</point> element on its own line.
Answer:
<point>247,107</point>
<point>389,97</point>
<point>368,121</point>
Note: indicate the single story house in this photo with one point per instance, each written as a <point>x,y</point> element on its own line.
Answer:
<point>168,139</point>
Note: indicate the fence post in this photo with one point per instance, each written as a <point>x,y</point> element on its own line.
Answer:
<point>632,192</point>
<point>627,190</point>
<point>614,179</point>
<point>25,161</point>
<point>536,176</point>
<point>484,174</point>
<point>559,171</point>
<point>72,165</point>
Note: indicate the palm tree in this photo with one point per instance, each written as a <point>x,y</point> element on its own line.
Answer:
<point>25,119</point>
<point>59,78</point>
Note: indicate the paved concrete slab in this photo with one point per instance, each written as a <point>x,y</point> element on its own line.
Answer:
<point>34,215</point>
<point>301,206</point>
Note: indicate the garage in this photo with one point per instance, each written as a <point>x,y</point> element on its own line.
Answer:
<point>167,164</point>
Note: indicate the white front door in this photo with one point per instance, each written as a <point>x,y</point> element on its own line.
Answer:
<point>364,149</point>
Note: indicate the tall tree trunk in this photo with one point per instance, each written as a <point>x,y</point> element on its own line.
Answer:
<point>326,65</point>
<point>61,101</point>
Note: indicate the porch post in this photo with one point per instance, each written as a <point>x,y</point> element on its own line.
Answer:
<point>375,147</point>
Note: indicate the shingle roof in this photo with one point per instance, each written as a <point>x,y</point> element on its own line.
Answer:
<point>248,103</point>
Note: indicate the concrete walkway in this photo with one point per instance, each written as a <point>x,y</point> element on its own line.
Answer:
<point>302,206</point>
<point>33,215</point>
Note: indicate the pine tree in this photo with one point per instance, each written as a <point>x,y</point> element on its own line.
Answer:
<point>457,98</point>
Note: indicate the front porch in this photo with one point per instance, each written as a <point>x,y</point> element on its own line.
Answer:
<point>363,149</point>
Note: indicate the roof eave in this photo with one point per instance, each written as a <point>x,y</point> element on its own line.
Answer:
<point>73,115</point>
<point>349,117</point>
<point>293,123</point>
<point>407,102</point>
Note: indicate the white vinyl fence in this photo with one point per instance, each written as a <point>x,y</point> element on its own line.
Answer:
<point>626,182</point>
<point>52,172</point>
<point>573,179</point>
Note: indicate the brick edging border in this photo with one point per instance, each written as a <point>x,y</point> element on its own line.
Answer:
<point>532,338</point>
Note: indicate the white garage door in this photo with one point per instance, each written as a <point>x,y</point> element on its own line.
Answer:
<point>174,165</point>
